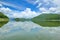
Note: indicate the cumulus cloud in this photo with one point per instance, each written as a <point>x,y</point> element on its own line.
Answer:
<point>54,6</point>
<point>27,13</point>
<point>5,10</point>
<point>43,9</point>
<point>57,2</point>
<point>50,10</point>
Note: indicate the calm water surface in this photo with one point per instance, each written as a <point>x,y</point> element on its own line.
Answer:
<point>28,30</point>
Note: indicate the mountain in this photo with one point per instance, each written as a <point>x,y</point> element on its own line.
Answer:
<point>3,19</point>
<point>47,17</point>
<point>47,20</point>
<point>22,19</point>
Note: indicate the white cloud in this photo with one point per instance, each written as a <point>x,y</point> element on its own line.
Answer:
<point>39,5</point>
<point>55,9</point>
<point>57,2</point>
<point>50,10</point>
<point>36,1</point>
<point>26,14</point>
<point>5,10</point>
<point>0,5</point>
<point>43,9</point>
<point>12,5</point>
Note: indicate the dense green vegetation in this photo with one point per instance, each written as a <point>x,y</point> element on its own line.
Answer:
<point>46,17</point>
<point>22,19</point>
<point>2,15</point>
<point>47,20</point>
<point>48,23</point>
<point>3,19</point>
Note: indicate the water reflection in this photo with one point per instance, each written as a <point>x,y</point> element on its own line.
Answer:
<point>28,30</point>
<point>3,23</point>
<point>26,26</point>
<point>49,23</point>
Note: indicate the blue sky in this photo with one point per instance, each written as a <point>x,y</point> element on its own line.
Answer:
<point>21,4</point>
<point>31,8</point>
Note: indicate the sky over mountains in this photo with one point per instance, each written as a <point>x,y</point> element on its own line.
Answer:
<point>28,8</point>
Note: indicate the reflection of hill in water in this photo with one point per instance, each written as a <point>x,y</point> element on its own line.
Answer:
<point>49,23</point>
<point>47,20</point>
<point>3,19</point>
<point>3,23</point>
<point>28,30</point>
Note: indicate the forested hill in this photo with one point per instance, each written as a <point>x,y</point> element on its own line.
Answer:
<point>3,19</point>
<point>2,15</point>
<point>46,17</point>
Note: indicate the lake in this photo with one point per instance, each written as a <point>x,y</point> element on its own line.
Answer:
<point>28,30</point>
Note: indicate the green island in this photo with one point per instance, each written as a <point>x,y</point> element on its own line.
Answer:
<point>47,20</point>
<point>3,19</point>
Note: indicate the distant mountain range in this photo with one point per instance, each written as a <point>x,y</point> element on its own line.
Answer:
<point>22,19</point>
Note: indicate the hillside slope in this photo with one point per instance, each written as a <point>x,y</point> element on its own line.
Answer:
<point>3,19</point>
<point>47,20</point>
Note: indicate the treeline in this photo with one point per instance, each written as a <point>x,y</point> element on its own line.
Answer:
<point>21,19</point>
